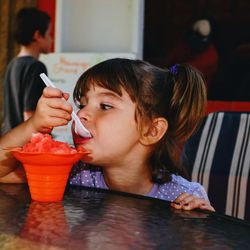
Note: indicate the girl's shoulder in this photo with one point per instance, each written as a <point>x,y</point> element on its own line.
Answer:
<point>178,185</point>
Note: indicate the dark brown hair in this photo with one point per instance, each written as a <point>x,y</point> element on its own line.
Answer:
<point>28,21</point>
<point>178,96</point>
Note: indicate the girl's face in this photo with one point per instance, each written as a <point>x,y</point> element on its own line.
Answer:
<point>111,120</point>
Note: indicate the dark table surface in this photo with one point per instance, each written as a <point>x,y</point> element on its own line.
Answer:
<point>92,219</point>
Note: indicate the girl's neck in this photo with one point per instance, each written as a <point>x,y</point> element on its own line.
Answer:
<point>29,51</point>
<point>132,180</point>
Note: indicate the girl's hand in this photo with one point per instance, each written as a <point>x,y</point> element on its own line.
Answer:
<point>187,201</point>
<point>52,110</point>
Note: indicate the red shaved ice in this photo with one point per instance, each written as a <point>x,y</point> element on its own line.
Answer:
<point>44,143</point>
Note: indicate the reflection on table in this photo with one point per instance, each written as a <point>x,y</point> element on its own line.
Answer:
<point>94,219</point>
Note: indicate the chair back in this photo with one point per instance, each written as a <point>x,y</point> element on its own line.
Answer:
<point>218,157</point>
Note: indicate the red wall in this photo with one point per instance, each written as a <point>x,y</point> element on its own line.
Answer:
<point>50,7</point>
<point>237,106</point>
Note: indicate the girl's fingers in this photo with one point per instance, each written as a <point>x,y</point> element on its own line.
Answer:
<point>176,205</point>
<point>194,203</point>
<point>58,114</point>
<point>53,107</point>
<point>184,199</point>
<point>48,115</point>
<point>188,199</point>
<point>47,124</point>
<point>52,92</point>
<point>181,198</point>
<point>45,119</point>
<point>58,103</point>
<point>207,207</point>
<point>55,119</point>
<point>188,202</point>
<point>58,122</point>
<point>66,96</point>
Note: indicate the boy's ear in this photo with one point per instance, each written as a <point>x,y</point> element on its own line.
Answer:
<point>152,133</point>
<point>37,35</point>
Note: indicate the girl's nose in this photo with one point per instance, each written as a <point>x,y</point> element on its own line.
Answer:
<point>83,114</point>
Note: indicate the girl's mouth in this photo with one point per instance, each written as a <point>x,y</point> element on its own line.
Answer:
<point>79,139</point>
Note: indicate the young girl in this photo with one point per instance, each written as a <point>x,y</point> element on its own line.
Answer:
<point>137,113</point>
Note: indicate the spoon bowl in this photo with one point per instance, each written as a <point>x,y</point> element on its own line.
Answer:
<point>79,128</point>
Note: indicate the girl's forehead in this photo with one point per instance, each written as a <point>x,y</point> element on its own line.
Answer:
<point>95,91</point>
<point>100,88</point>
<point>113,83</point>
<point>116,86</point>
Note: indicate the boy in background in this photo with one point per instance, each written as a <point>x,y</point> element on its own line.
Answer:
<point>22,84</point>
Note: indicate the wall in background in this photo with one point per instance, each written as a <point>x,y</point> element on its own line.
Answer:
<point>166,22</point>
<point>108,26</point>
<point>99,26</point>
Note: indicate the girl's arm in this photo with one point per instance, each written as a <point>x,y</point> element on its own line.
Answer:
<point>52,110</point>
<point>16,176</point>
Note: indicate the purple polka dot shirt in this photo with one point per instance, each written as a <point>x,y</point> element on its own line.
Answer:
<point>168,191</point>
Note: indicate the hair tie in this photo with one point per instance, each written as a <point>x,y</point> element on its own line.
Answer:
<point>174,69</point>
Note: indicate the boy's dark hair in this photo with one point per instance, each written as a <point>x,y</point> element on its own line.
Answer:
<point>178,94</point>
<point>28,21</point>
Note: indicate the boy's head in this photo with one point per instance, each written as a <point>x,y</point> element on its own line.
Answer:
<point>28,21</point>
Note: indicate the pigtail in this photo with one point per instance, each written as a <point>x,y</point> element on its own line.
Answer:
<point>188,102</point>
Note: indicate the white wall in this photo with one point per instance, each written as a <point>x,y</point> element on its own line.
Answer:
<point>108,26</point>
<point>88,32</point>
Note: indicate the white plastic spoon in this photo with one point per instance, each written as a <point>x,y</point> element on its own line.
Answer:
<point>79,128</point>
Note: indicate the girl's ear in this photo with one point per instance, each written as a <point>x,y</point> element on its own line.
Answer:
<point>154,132</point>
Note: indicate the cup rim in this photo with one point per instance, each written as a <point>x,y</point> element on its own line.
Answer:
<point>18,150</point>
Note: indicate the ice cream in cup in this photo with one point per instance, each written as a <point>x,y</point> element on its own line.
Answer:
<point>47,164</point>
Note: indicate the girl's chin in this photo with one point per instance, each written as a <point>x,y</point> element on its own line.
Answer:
<point>87,159</point>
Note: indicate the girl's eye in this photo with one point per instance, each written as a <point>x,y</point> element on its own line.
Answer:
<point>105,106</point>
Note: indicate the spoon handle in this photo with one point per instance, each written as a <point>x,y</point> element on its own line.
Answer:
<point>47,81</point>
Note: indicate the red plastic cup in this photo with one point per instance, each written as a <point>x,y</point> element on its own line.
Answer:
<point>47,173</point>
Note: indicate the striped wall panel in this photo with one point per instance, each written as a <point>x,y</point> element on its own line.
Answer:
<point>218,156</point>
